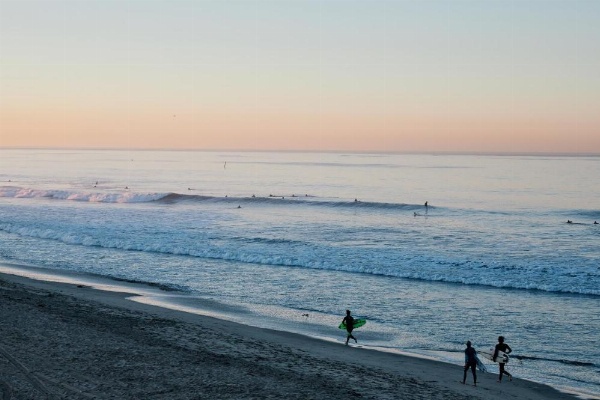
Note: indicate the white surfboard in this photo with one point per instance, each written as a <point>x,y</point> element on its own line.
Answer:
<point>489,354</point>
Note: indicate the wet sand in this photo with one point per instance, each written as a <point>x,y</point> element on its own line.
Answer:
<point>64,341</point>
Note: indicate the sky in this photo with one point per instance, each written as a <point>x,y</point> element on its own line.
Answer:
<point>317,75</point>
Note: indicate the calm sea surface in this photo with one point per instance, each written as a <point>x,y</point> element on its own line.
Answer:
<point>263,238</point>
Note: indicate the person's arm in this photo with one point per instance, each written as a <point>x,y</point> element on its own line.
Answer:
<point>508,349</point>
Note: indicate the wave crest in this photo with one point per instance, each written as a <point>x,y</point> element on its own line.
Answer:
<point>84,196</point>
<point>437,272</point>
<point>139,197</point>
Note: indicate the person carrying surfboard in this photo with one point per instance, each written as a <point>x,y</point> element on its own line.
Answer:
<point>470,362</point>
<point>501,346</point>
<point>349,322</point>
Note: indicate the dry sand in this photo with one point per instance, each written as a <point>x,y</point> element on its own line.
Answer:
<point>61,341</point>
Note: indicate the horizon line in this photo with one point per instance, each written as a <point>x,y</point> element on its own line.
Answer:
<point>399,152</point>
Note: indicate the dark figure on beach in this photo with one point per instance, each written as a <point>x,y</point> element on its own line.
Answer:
<point>349,321</point>
<point>501,346</point>
<point>470,362</point>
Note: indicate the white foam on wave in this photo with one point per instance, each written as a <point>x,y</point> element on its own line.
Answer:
<point>467,273</point>
<point>83,196</point>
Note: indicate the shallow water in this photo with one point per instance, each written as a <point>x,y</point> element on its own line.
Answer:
<point>491,255</point>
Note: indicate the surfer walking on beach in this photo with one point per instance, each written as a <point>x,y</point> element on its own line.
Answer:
<point>501,346</point>
<point>470,362</point>
<point>349,322</point>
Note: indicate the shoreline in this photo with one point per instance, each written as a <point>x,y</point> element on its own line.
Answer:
<point>63,340</point>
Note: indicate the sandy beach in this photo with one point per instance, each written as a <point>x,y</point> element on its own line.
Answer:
<point>64,341</point>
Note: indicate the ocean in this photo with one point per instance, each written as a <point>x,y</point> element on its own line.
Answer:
<point>289,241</point>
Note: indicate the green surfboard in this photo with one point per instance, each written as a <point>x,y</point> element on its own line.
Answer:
<point>358,322</point>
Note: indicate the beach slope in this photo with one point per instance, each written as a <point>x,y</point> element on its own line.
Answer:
<point>63,341</point>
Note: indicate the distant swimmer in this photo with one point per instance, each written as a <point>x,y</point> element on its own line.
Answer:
<point>253,196</point>
<point>569,221</point>
<point>426,207</point>
<point>239,206</point>
<point>595,222</point>
<point>126,187</point>
<point>356,200</point>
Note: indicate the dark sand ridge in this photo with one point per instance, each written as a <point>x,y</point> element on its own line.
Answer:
<point>61,341</point>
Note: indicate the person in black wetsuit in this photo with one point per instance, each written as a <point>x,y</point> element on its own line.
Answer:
<point>501,346</point>
<point>470,362</point>
<point>349,322</point>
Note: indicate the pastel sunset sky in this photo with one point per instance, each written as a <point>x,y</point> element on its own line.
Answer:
<point>345,75</point>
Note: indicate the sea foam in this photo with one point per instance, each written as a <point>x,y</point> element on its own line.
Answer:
<point>84,196</point>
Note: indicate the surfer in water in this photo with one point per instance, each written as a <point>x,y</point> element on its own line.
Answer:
<point>349,322</point>
<point>501,346</point>
<point>470,362</point>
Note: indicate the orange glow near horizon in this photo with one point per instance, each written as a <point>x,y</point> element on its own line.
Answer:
<point>252,131</point>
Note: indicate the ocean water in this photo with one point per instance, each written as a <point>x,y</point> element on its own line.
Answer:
<point>264,238</point>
